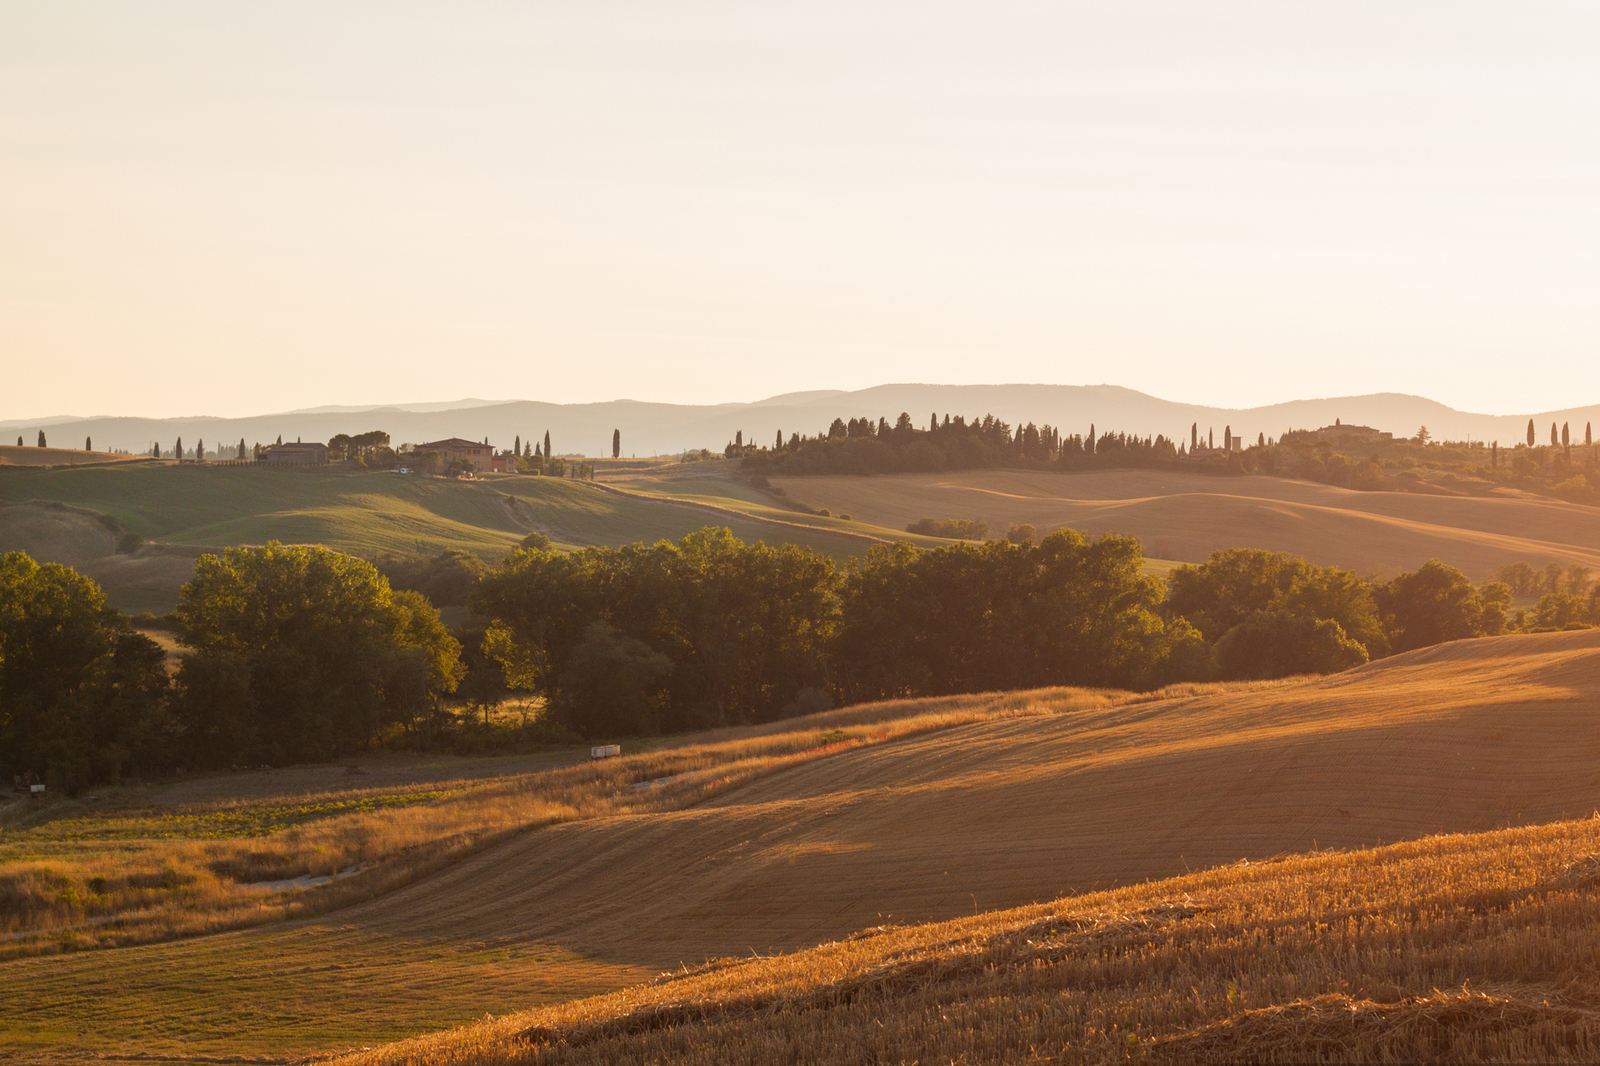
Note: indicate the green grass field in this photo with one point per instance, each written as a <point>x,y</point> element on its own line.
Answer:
<point>197,507</point>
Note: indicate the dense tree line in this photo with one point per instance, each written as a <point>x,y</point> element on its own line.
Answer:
<point>296,654</point>
<point>712,630</point>
<point>299,653</point>
<point>862,446</point>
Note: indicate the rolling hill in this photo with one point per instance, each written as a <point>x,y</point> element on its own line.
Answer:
<point>1186,516</point>
<point>12,455</point>
<point>183,510</point>
<point>1057,796</point>
<point>1327,958</point>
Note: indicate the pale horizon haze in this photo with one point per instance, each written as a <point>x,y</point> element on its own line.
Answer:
<point>227,209</point>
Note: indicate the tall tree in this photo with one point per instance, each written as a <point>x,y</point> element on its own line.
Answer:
<point>1088,445</point>
<point>177,450</point>
<point>200,450</point>
<point>80,692</point>
<point>312,649</point>
<point>547,444</point>
<point>1566,440</point>
<point>1553,441</point>
<point>616,444</point>
<point>41,439</point>
<point>1588,437</point>
<point>777,445</point>
<point>88,444</point>
<point>1530,432</point>
<point>241,447</point>
<point>516,446</point>
<point>1227,438</point>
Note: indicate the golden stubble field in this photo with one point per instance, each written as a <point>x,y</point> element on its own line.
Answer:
<point>1451,949</point>
<point>1051,794</point>
<point>1188,516</point>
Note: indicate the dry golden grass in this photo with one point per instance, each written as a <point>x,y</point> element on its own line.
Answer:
<point>1036,796</point>
<point>1189,516</point>
<point>73,877</point>
<point>1450,949</point>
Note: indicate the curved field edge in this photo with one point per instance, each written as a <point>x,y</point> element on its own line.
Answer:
<point>1460,948</point>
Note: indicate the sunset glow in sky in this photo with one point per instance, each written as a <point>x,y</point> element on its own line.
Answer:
<point>233,208</point>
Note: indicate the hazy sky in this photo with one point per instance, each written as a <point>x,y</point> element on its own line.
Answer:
<point>228,208</point>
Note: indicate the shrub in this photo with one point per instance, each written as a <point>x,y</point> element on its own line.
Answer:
<point>950,528</point>
<point>1278,644</point>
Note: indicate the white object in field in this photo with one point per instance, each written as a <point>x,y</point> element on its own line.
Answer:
<point>35,788</point>
<point>605,751</point>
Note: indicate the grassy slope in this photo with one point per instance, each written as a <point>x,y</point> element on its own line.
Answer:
<point>209,507</point>
<point>1476,948</point>
<point>1464,737</point>
<point>1188,516</point>
<point>11,455</point>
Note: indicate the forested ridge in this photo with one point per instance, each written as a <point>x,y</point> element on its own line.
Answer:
<point>862,446</point>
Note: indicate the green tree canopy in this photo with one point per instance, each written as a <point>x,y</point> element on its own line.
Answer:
<point>80,693</point>
<point>321,652</point>
<point>1431,605</point>
<point>1236,583</point>
<point>1280,644</point>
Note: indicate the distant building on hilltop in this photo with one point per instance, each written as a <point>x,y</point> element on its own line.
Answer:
<point>1341,429</point>
<point>294,454</point>
<point>478,456</point>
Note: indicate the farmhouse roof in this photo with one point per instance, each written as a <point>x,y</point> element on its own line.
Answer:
<point>453,442</point>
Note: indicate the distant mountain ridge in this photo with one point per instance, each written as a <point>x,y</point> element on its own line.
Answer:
<point>661,428</point>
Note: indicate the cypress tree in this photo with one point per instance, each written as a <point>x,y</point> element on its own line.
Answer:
<point>41,439</point>
<point>547,444</point>
<point>616,444</point>
<point>1530,432</point>
<point>516,445</point>
<point>241,447</point>
<point>88,444</point>
<point>19,440</point>
<point>1494,455</point>
<point>200,450</point>
<point>1566,440</point>
<point>777,445</point>
<point>1587,438</point>
<point>1227,439</point>
<point>1552,434</point>
<point>1088,445</point>
<point>280,438</point>
<point>177,450</point>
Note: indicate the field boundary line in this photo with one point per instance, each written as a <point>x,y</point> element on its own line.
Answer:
<point>713,509</point>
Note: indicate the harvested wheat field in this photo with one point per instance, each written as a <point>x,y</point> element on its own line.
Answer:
<point>1050,793</point>
<point>1188,516</point>
<point>1468,948</point>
